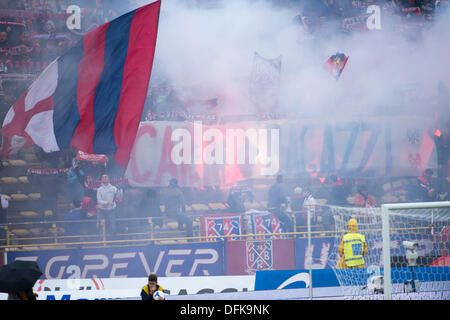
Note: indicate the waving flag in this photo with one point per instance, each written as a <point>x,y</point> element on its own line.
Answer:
<point>265,82</point>
<point>336,64</point>
<point>90,98</point>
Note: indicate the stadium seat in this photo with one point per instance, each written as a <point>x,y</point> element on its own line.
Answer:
<point>23,179</point>
<point>252,205</point>
<point>389,199</point>
<point>29,214</point>
<point>34,196</point>
<point>20,232</point>
<point>217,206</point>
<point>17,163</point>
<point>171,224</point>
<point>36,231</point>
<point>10,180</point>
<point>19,196</point>
<point>199,207</point>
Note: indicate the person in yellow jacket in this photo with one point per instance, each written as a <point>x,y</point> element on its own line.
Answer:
<point>353,247</point>
<point>149,289</point>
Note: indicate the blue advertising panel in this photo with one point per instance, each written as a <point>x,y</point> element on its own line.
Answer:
<point>293,279</point>
<point>196,259</point>
<point>321,252</point>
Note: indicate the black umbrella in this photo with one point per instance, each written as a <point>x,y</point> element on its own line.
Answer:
<point>18,276</point>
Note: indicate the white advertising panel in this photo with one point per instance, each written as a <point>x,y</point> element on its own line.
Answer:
<point>130,288</point>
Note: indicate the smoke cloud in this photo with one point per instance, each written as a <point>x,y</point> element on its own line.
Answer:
<point>208,52</point>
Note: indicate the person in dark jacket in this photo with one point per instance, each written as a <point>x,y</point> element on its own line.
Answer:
<point>75,214</point>
<point>338,192</point>
<point>237,197</point>
<point>175,207</point>
<point>150,207</point>
<point>422,190</point>
<point>149,289</point>
<point>277,202</point>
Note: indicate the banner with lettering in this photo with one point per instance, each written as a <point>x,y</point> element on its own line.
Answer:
<point>210,155</point>
<point>194,259</point>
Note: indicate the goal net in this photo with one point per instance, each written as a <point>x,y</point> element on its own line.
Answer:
<point>417,263</point>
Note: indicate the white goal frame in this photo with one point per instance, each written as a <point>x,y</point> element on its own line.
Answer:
<point>385,209</point>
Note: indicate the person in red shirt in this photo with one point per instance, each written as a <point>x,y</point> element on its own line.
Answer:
<point>363,199</point>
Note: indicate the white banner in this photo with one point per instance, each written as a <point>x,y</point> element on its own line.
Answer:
<point>203,155</point>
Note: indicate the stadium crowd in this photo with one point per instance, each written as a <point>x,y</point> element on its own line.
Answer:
<point>34,32</point>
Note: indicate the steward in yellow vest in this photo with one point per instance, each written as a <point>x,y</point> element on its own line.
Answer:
<point>353,247</point>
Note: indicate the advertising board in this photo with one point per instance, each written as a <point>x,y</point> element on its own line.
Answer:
<point>196,259</point>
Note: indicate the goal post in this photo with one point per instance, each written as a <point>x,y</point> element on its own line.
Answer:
<point>407,256</point>
<point>398,209</point>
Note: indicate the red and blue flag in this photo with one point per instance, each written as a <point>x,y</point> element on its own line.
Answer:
<point>336,64</point>
<point>91,98</point>
<point>222,225</point>
<point>265,222</point>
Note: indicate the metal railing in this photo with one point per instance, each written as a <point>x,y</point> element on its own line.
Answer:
<point>41,235</point>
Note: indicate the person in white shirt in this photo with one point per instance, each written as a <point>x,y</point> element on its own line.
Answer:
<point>309,204</point>
<point>3,207</point>
<point>302,202</point>
<point>107,195</point>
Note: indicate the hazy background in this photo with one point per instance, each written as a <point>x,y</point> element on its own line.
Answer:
<point>208,52</point>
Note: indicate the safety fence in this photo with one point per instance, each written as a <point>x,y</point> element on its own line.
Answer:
<point>92,232</point>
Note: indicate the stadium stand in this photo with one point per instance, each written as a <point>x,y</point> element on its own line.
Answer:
<point>41,34</point>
